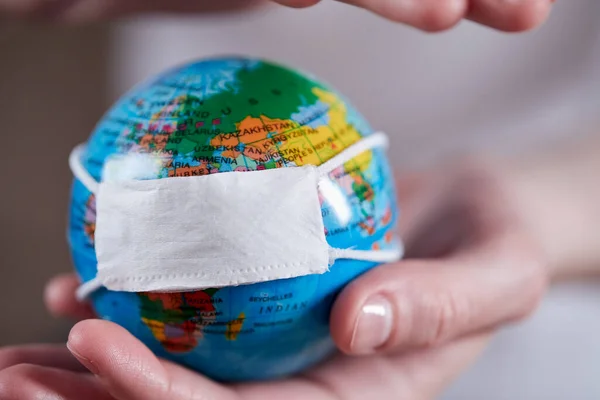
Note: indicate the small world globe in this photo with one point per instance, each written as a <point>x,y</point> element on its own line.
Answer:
<point>219,115</point>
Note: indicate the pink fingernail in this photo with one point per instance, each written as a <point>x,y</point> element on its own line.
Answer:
<point>373,326</point>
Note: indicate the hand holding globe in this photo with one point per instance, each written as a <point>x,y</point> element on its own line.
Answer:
<point>421,317</point>
<point>445,290</point>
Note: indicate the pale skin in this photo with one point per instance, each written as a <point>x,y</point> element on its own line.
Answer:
<point>484,242</point>
<point>427,15</point>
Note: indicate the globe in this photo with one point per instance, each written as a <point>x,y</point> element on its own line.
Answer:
<point>223,114</point>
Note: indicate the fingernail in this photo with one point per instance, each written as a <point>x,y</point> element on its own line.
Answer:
<point>85,361</point>
<point>373,326</point>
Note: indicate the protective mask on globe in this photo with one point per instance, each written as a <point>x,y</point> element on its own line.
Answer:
<point>224,229</point>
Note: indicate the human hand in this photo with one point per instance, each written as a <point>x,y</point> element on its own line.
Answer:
<point>407,366</point>
<point>472,265</point>
<point>103,361</point>
<point>428,15</point>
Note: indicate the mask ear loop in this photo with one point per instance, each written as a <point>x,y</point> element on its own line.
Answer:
<point>87,288</point>
<point>80,172</point>
<point>376,140</point>
<point>378,256</point>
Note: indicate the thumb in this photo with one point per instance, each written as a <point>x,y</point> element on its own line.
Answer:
<point>419,303</point>
<point>130,371</point>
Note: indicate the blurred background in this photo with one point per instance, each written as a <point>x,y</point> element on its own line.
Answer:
<point>470,89</point>
<point>53,88</point>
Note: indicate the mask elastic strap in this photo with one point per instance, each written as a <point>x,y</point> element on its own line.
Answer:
<point>376,140</point>
<point>87,288</point>
<point>379,256</point>
<point>80,172</point>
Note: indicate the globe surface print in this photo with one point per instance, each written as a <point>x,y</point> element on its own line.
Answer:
<point>238,114</point>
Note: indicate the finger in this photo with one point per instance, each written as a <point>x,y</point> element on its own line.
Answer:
<point>43,355</point>
<point>422,303</point>
<point>427,15</point>
<point>510,15</point>
<point>26,381</point>
<point>60,298</point>
<point>130,371</point>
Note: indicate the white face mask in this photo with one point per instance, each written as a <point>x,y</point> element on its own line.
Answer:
<point>224,229</point>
